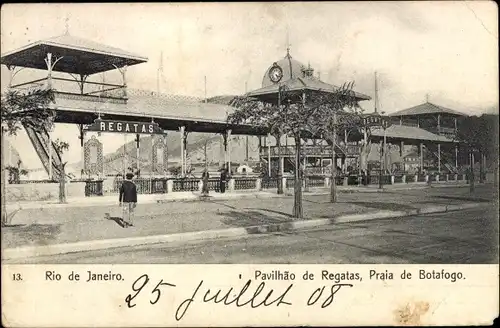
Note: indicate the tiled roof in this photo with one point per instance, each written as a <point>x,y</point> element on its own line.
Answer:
<point>222,100</point>
<point>150,106</point>
<point>426,108</point>
<point>409,133</point>
<point>94,57</point>
<point>301,84</point>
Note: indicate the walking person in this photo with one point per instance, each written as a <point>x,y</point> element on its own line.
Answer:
<point>223,178</point>
<point>128,199</point>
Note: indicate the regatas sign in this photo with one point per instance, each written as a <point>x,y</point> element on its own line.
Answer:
<point>123,127</point>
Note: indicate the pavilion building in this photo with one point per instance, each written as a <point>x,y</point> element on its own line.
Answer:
<point>431,130</point>
<point>71,67</point>
<point>296,76</point>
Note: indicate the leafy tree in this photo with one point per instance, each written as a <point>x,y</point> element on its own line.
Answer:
<point>30,109</point>
<point>15,172</point>
<point>336,112</point>
<point>301,115</point>
<point>480,134</point>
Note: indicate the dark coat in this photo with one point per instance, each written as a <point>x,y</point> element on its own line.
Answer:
<point>223,175</point>
<point>128,192</point>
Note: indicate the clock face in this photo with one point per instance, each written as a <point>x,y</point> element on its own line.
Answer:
<point>275,73</point>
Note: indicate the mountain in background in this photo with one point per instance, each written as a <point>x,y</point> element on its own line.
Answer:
<point>11,154</point>
<point>113,162</point>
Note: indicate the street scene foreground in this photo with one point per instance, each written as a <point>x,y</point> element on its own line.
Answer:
<point>469,235</point>
<point>460,237</point>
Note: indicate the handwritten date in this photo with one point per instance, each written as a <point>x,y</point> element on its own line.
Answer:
<point>245,296</point>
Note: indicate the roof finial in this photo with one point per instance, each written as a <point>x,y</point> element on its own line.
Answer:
<point>66,24</point>
<point>288,44</point>
<point>426,97</point>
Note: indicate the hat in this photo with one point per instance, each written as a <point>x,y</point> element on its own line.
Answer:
<point>129,176</point>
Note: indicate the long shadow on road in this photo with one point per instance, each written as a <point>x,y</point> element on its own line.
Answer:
<point>468,199</point>
<point>384,206</point>
<point>35,234</point>
<point>250,218</point>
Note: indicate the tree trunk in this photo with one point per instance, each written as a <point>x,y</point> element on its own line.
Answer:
<point>482,164</point>
<point>472,177</point>
<point>297,204</point>
<point>62,185</point>
<point>333,184</point>
<point>280,168</point>
<point>4,189</point>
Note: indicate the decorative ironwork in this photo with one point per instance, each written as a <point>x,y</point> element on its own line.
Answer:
<point>77,96</point>
<point>350,150</point>
<point>245,183</point>
<point>315,181</point>
<point>93,165</point>
<point>186,185</point>
<point>93,188</point>
<point>398,179</point>
<point>159,163</point>
<point>269,183</point>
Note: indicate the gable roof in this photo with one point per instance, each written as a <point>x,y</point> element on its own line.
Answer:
<point>425,109</point>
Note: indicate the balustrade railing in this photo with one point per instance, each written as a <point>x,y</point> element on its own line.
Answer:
<point>269,183</point>
<point>352,150</point>
<point>93,188</point>
<point>245,183</point>
<point>36,181</point>
<point>159,186</point>
<point>162,185</point>
<point>186,185</point>
<point>398,179</point>
<point>421,178</point>
<point>313,181</point>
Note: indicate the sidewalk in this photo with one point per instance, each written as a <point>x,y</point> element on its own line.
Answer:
<point>193,196</point>
<point>50,226</point>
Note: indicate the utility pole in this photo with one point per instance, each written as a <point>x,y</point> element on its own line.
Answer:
<point>246,137</point>
<point>4,183</point>
<point>376,94</point>
<point>205,78</point>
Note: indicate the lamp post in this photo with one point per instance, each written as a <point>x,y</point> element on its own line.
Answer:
<point>376,120</point>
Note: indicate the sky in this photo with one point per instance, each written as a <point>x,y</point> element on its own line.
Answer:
<point>446,50</point>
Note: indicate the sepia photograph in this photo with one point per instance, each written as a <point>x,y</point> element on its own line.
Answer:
<point>250,133</point>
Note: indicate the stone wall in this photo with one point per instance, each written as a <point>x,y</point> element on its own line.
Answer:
<point>42,191</point>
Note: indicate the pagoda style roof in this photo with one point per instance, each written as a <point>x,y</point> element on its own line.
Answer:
<point>411,133</point>
<point>426,109</point>
<point>78,56</point>
<point>298,84</point>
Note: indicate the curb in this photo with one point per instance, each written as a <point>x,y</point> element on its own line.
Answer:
<point>57,249</point>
